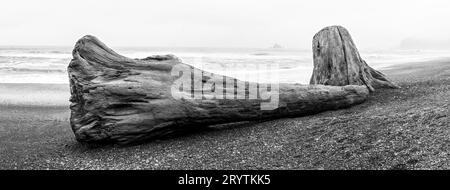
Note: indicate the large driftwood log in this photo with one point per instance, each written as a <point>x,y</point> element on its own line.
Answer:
<point>124,100</point>
<point>337,62</point>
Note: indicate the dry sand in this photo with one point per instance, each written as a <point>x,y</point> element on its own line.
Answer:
<point>404,128</point>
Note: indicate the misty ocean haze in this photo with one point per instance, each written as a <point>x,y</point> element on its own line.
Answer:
<point>49,64</point>
<point>383,39</point>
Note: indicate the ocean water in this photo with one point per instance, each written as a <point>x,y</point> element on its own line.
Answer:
<point>49,64</point>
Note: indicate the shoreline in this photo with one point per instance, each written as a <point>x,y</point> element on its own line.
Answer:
<point>34,94</point>
<point>403,128</point>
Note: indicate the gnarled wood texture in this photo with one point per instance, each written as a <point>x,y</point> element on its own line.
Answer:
<point>122,100</point>
<point>337,62</point>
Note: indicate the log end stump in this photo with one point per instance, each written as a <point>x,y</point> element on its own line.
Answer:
<point>337,62</point>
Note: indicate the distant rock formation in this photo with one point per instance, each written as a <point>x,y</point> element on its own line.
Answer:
<point>277,46</point>
<point>425,44</point>
<point>260,54</point>
<point>337,62</point>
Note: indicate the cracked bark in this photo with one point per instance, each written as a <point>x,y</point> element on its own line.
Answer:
<point>337,62</point>
<point>121,100</point>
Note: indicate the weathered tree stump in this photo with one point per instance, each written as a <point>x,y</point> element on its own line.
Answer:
<point>122,100</point>
<point>337,62</point>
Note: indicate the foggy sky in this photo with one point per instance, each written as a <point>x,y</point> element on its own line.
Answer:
<point>376,24</point>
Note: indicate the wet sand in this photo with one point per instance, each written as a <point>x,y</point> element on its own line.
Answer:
<point>404,128</point>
